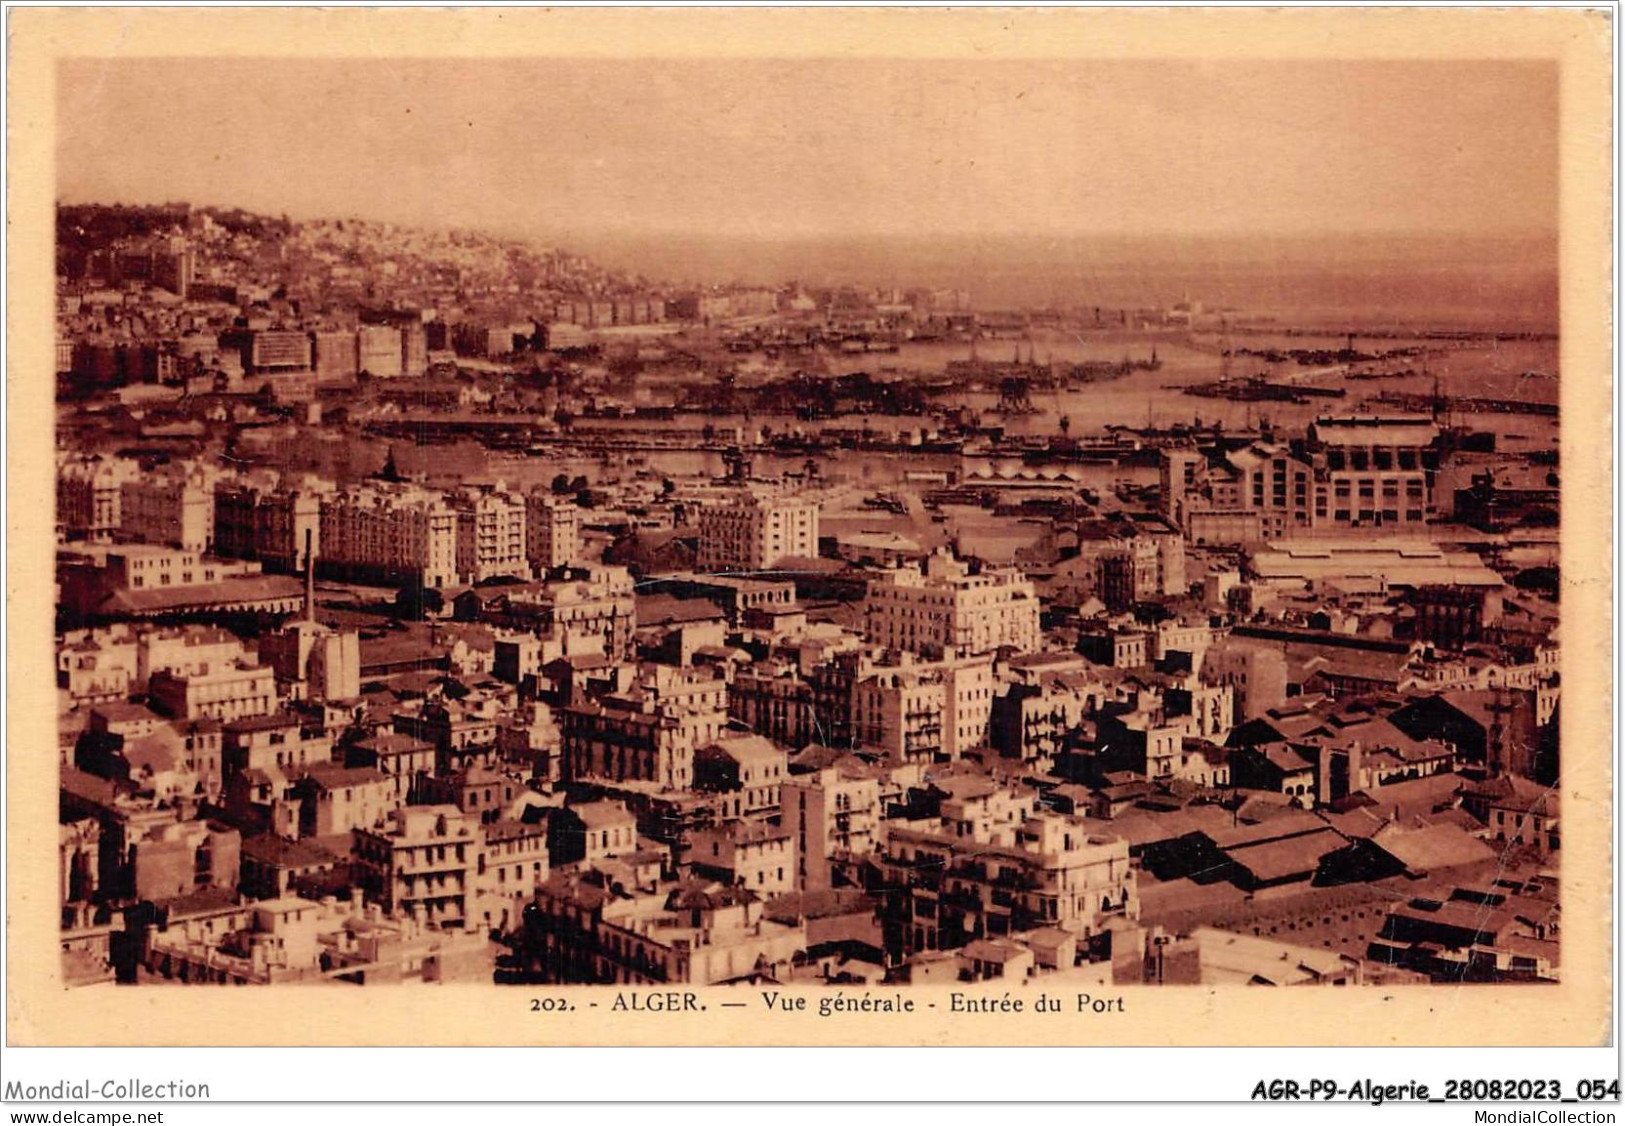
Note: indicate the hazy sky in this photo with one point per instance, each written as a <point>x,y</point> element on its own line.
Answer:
<point>796,148</point>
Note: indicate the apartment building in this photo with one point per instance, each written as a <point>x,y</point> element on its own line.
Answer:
<point>991,864</point>
<point>772,698</point>
<point>552,532</point>
<point>336,799</point>
<point>174,506</point>
<point>89,496</point>
<point>391,533</point>
<point>1348,472</point>
<point>279,741</point>
<point>752,533</point>
<point>950,608</point>
<point>592,610</point>
<point>922,712</point>
<point>745,772</point>
<point>596,605</point>
<point>379,351</point>
<point>333,355</point>
<point>269,351</point>
<point>649,733</point>
<point>584,933</point>
<point>226,691</point>
<point>184,651</point>
<point>490,535</point>
<point>516,863</point>
<point>96,666</point>
<point>832,814</point>
<point>1033,718</point>
<point>271,524</point>
<point>750,854</point>
<point>423,864</point>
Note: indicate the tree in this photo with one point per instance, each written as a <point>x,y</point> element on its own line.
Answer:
<point>1150,613</point>
<point>561,484</point>
<point>1065,424</point>
<point>1540,580</point>
<point>419,601</point>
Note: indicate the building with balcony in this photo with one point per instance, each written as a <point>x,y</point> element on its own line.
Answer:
<point>649,733</point>
<point>750,854</point>
<point>391,533</point>
<point>745,772</point>
<point>922,712</point>
<point>752,533</point>
<point>516,865</point>
<point>552,532</point>
<point>773,699</point>
<point>951,608</point>
<point>423,865</point>
<point>272,524</point>
<point>690,934</point>
<point>991,864</point>
<point>173,507</point>
<point>833,815</point>
<point>490,535</point>
<point>590,611</point>
<point>1032,719</point>
<point>226,691</point>
<point>89,496</point>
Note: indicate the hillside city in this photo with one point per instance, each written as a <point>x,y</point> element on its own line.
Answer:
<point>433,606</point>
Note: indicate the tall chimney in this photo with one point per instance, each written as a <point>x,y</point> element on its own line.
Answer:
<point>310,575</point>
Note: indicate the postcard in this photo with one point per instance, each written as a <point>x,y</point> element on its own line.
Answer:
<point>809,527</point>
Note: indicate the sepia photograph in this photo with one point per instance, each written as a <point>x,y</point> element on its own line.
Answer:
<point>880,534</point>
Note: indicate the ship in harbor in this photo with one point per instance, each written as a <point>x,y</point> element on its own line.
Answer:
<point>1257,389</point>
<point>1364,376</point>
<point>1048,374</point>
<point>1095,371</point>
